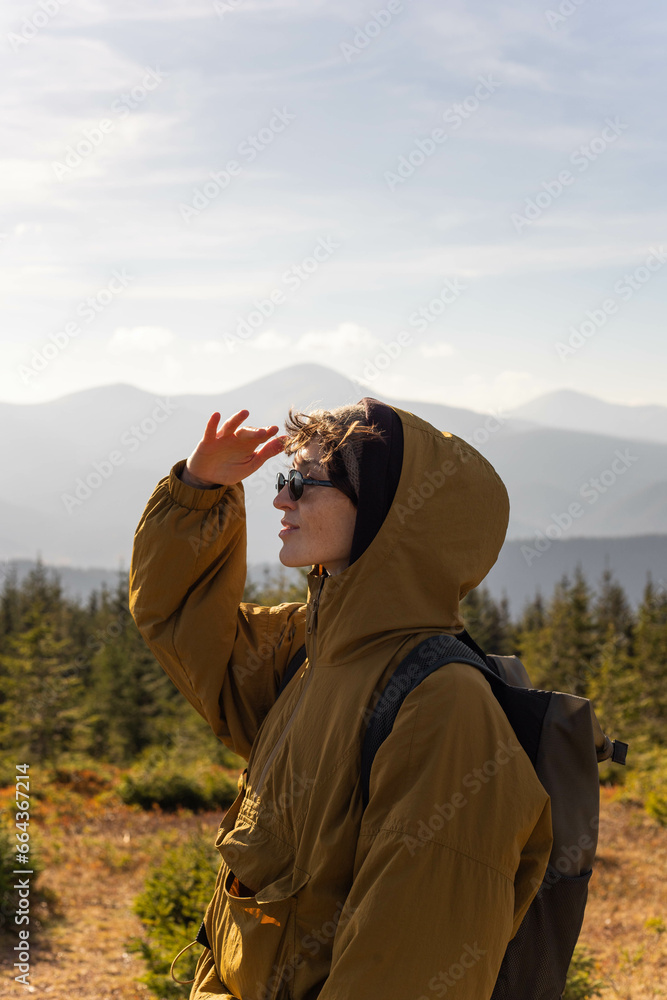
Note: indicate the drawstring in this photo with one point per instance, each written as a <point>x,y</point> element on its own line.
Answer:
<point>181,982</point>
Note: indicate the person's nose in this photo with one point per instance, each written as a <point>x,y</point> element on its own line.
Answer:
<point>283,501</point>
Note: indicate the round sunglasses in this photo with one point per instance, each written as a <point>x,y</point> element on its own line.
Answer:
<point>296,481</point>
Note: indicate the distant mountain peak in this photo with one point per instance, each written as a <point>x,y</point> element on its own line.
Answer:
<point>568,409</point>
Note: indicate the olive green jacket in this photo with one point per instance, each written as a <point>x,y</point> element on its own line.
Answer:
<point>423,890</point>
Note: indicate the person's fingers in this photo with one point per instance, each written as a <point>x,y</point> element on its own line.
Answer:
<point>210,430</point>
<point>233,422</point>
<point>250,432</point>
<point>271,448</point>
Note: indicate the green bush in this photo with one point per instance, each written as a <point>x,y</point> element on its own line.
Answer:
<point>612,775</point>
<point>580,982</point>
<point>646,784</point>
<point>7,769</point>
<point>158,779</point>
<point>9,896</point>
<point>656,806</point>
<point>171,908</point>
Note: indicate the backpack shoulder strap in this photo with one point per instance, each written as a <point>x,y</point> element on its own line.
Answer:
<point>421,661</point>
<point>292,667</point>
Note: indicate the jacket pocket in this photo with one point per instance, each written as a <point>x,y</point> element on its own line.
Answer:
<point>229,819</point>
<point>255,937</point>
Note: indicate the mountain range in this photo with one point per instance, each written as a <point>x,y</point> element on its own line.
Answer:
<point>80,469</point>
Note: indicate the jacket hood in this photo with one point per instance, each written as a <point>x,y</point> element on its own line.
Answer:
<point>431,520</point>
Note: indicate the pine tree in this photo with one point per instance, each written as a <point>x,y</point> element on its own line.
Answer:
<point>533,640</point>
<point>559,653</point>
<point>487,622</point>
<point>42,694</point>
<point>276,589</point>
<point>10,605</point>
<point>612,607</point>
<point>533,617</point>
<point>650,655</point>
<point>612,688</point>
<point>129,695</point>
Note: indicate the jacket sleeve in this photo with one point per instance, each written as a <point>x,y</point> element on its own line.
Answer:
<point>187,577</point>
<point>456,829</point>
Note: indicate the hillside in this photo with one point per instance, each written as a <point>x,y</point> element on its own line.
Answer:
<point>97,857</point>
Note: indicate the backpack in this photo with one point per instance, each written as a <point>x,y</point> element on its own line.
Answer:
<point>563,739</point>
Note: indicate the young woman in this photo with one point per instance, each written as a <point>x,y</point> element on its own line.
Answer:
<point>419,892</point>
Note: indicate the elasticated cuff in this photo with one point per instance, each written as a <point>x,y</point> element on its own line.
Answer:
<point>191,496</point>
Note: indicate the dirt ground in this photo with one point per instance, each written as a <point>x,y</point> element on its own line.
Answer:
<point>97,856</point>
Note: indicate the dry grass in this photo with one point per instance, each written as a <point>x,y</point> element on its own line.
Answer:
<point>626,917</point>
<point>97,853</point>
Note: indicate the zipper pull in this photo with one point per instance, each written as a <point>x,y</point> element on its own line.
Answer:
<point>312,620</point>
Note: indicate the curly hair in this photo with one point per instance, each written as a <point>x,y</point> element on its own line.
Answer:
<point>340,434</point>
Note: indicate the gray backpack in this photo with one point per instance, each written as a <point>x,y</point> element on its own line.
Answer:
<point>565,743</point>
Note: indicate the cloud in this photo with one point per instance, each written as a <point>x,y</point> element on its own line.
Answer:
<point>346,338</point>
<point>441,350</point>
<point>269,340</point>
<point>143,339</point>
<point>503,391</point>
<point>209,348</point>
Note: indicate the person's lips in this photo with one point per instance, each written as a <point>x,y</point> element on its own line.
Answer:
<point>287,528</point>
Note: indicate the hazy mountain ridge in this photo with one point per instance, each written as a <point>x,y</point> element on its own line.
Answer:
<point>521,569</point>
<point>82,468</point>
<point>570,410</point>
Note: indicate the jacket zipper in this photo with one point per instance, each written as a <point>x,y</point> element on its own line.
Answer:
<point>311,629</point>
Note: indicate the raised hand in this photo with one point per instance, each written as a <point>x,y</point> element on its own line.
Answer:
<point>232,453</point>
<point>229,455</point>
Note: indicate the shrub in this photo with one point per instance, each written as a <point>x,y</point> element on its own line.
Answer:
<point>656,806</point>
<point>82,775</point>
<point>171,908</point>
<point>580,982</point>
<point>9,897</point>
<point>611,775</point>
<point>646,784</point>
<point>157,779</point>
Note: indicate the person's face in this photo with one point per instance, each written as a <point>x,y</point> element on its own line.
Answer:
<point>320,524</point>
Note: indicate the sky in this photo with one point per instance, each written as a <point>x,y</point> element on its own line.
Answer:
<point>457,202</point>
